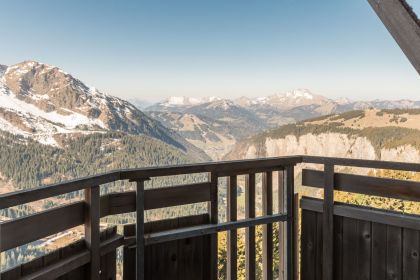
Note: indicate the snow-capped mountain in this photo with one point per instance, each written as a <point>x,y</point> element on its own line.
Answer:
<point>179,103</point>
<point>45,103</point>
<point>284,101</point>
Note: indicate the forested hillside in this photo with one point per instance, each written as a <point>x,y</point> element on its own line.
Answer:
<point>28,164</point>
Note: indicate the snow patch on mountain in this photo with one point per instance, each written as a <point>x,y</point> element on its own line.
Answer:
<point>9,101</point>
<point>299,93</point>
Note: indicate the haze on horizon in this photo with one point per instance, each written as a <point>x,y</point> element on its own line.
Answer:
<point>153,49</point>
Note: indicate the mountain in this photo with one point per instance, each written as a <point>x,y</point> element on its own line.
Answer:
<point>213,126</point>
<point>215,137</point>
<point>285,101</point>
<point>291,106</point>
<point>179,103</point>
<point>241,121</point>
<point>140,103</point>
<point>44,103</point>
<point>387,134</point>
<point>378,104</point>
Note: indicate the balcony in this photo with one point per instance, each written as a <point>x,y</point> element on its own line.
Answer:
<point>317,239</point>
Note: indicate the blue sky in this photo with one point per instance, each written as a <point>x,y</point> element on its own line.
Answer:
<point>151,49</point>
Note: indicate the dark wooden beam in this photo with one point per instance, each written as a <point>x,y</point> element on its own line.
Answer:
<point>392,188</point>
<point>182,233</point>
<point>380,216</point>
<point>328,223</point>
<point>232,235</point>
<point>213,209</point>
<point>223,168</point>
<point>177,195</point>
<point>402,25</point>
<point>250,254</point>
<point>289,181</point>
<point>282,232</point>
<point>33,227</point>
<point>92,231</point>
<point>25,196</point>
<point>377,164</point>
<point>267,203</point>
<point>140,230</point>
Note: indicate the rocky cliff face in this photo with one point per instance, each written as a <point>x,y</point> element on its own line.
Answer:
<point>390,135</point>
<point>325,144</point>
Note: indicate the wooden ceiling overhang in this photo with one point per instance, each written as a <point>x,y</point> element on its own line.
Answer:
<point>403,24</point>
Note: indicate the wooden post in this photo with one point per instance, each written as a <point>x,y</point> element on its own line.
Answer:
<point>232,235</point>
<point>290,189</point>
<point>298,237</point>
<point>250,231</point>
<point>92,231</point>
<point>328,223</point>
<point>267,201</point>
<point>140,230</point>
<point>214,213</point>
<point>282,232</point>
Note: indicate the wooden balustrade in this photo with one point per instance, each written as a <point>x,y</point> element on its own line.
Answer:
<point>21,231</point>
<point>188,238</point>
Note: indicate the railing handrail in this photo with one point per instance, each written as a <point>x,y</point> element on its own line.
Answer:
<point>362,163</point>
<point>223,168</point>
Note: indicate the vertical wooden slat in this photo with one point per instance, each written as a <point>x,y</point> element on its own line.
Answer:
<point>296,248</point>
<point>364,250</point>
<point>250,232</point>
<point>328,222</point>
<point>318,246</point>
<point>282,232</point>
<point>140,230</point>
<point>291,235</point>
<point>129,262</point>
<point>92,200</point>
<point>350,249</point>
<point>379,245</point>
<point>308,258</point>
<point>232,235</point>
<point>213,211</point>
<point>410,254</point>
<point>338,248</point>
<point>267,205</point>
<point>393,253</point>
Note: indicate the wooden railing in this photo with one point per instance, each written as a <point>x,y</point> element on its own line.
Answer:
<point>24,230</point>
<point>344,226</point>
<point>137,238</point>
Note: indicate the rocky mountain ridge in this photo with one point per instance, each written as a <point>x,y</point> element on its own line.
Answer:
<point>45,103</point>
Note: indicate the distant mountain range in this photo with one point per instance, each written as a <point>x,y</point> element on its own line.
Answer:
<point>213,123</point>
<point>286,102</point>
<point>46,104</point>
